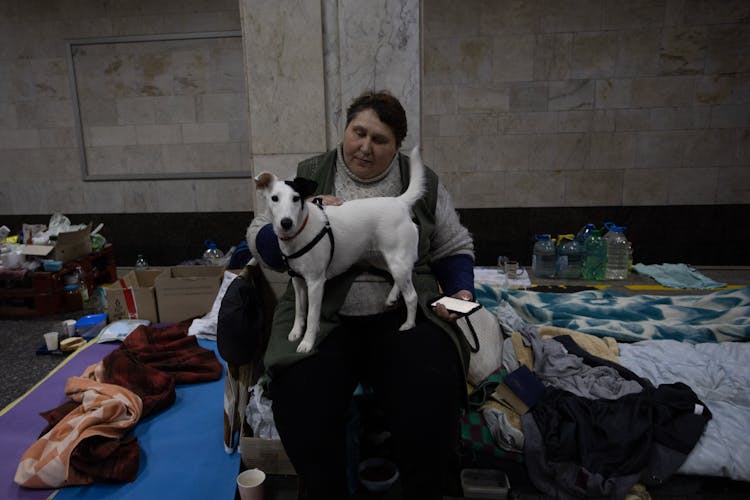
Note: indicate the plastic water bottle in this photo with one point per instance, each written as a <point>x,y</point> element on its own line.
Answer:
<point>140,262</point>
<point>544,260</point>
<point>595,259</point>
<point>618,252</point>
<point>569,257</point>
<point>213,255</point>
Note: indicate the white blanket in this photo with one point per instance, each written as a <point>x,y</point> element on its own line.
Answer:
<point>719,374</point>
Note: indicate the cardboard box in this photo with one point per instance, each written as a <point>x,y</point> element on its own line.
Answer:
<point>184,292</point>
<point>267,455</point>
<point>68,246</point>
<point>133,296</point>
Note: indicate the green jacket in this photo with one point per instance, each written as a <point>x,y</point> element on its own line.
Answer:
<point>281,352</point>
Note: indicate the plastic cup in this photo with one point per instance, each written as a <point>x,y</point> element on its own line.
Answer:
<point>250,484</point>
<point>51,339</point>
<point>69,327</point>
<point>501,260</point>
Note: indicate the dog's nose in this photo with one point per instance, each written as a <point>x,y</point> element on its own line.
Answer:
<point>286,223</point>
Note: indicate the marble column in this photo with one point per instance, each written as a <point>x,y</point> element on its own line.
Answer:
<point>305,61</point>
<point>371,45</point>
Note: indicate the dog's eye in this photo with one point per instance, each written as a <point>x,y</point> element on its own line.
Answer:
<point>274,198</point>
<point>295,199</point>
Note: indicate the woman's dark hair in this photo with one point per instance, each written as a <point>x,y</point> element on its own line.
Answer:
<point>386,106</point>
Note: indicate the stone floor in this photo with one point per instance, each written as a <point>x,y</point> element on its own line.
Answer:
<point>19,341</point>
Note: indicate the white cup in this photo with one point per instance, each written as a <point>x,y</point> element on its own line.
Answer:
<point>250,484</point>
<point>51,339</point>
<point>69,327</point>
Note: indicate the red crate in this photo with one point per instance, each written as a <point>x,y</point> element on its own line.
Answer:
<point>41,293</point>
<point>38,294</point>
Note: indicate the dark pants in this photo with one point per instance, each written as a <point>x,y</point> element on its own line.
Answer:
<point>417,381</point>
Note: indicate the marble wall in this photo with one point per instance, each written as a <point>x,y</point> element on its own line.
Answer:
<point>139,119</point>
<point>516,103</point>
<point>161,107</point>
<point>588,102</point>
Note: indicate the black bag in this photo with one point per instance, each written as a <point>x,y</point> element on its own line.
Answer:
<point>240,326</point>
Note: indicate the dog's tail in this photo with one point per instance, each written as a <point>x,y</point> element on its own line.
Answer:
<point>416,187</point>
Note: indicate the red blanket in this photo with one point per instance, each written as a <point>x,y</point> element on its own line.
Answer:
<point>141,373</point>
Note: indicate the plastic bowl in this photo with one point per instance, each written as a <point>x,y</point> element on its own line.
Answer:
<point>377,474</point>
<point>52,265</point>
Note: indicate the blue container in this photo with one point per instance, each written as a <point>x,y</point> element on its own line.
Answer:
<point>89,326</point>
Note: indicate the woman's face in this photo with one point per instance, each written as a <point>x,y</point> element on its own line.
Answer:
<point>369,145</point>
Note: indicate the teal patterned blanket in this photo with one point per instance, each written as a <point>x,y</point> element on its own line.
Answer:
<point>716,317</point>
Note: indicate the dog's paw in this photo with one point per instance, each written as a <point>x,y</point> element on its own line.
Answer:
<point>295,334</point>
<point>305,346</point>
<point>408,325</point>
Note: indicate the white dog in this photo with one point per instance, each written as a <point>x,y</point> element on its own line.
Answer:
<point>320,243</point>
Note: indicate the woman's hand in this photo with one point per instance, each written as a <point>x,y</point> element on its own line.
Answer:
<point>327,199</point>
<point>443,313</point>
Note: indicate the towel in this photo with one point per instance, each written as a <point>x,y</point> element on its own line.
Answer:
<point>105,410</point>
<point>677,276</point>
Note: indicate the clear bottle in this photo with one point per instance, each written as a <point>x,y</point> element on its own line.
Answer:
<point>618,252</point>
<point>595,257</point>
<point>630,257</point>
<point>569,257</point>
<point>82,285</point>
<point>544,259</point>
<point>213,255</point>
<point>140,262</point>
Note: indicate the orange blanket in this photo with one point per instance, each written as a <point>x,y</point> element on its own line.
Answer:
<point>105,410</point>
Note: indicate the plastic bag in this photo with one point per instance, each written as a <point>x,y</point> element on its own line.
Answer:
<point>58,223</point>
<point>205,327</point>
<point>259,414</point>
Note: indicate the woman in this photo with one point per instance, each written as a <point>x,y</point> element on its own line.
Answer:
<point>418,376</point>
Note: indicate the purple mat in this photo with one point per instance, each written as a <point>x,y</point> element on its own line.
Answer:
<point>21,425</point>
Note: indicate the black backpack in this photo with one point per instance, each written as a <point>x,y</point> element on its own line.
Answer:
<point>241,330</point>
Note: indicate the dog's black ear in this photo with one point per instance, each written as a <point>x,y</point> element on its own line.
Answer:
<point>305,187</point>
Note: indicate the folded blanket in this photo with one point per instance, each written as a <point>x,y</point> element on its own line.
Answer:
<point>105,410</point>
<point>677,276</point>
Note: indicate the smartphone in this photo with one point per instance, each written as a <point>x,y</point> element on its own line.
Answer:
<point>457,305</point>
